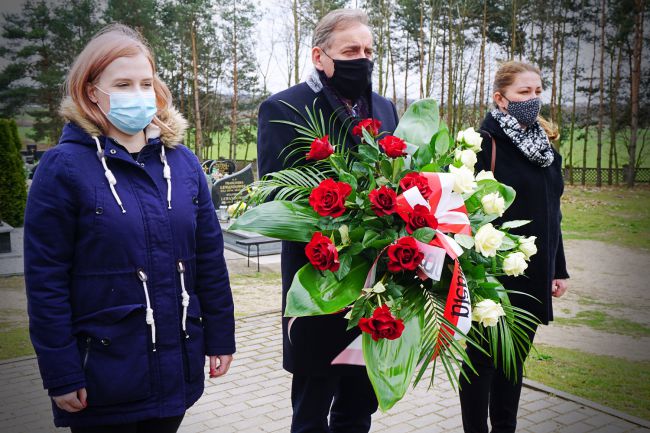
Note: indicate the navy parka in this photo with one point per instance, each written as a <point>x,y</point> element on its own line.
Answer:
<point>85,262</point>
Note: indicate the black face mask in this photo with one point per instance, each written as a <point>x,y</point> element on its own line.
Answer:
<point>351,78</point>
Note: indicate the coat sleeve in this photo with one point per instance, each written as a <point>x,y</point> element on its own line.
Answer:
<point>272,137</point>
<point>212,281</point>
<point>49,240</point>
<point>561,272</point>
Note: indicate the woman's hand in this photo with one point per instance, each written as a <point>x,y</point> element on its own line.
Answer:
<point>74,401</point>
<point>558,288</point>
<point>219,365</point>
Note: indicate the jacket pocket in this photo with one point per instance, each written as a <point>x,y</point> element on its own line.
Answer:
<point>115,354</point>
<point>194,346</point>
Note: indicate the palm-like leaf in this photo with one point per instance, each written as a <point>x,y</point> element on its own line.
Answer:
<point>289,184</point>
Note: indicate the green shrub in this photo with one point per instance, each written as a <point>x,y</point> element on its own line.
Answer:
<point>13,190</point>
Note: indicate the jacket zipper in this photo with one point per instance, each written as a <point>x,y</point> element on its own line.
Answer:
<point>85,361</point>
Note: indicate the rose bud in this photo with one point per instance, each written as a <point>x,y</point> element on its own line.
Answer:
<point>320,148</point>
<point>383,201</point>
<point>404,255</point>
<point>382,324</point>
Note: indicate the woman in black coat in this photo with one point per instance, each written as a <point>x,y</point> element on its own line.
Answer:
<point>516,146</point>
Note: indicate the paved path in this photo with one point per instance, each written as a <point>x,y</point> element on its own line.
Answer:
<point>254,397</point>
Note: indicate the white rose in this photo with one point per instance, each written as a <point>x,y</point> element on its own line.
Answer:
<point>473,139</point>
<point>527,246</point>
<point>487,239</point>
<point>467,157</point>
<point>493,204</point>
<point>487,313</point>
<point>515,264</point>
<point>459,137</point>
<point>237,207</point>
<point>463,179</point>
<point>482,175</point>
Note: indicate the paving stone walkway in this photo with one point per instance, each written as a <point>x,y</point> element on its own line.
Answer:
<point>254,398</point>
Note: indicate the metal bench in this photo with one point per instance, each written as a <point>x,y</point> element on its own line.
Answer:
<point>256,242</point>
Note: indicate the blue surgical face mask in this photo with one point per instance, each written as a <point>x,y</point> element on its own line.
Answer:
<point>130,112</point>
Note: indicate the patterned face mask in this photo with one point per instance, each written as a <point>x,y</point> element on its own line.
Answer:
<point>525,112</point>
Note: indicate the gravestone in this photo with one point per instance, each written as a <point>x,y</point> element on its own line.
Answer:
<point>226,189</point>
<point>5,237</point>
<point>225,166</point>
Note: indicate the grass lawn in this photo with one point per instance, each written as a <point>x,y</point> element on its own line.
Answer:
<point>14,341</point>
<point>643,152</point>
<point>601,321</point>
<point>616,215</point>
<point>614,382</point>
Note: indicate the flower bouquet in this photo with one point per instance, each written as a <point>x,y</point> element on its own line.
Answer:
<point>399,233</point>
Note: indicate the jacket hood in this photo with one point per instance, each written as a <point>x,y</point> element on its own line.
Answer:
<point>170,117</point>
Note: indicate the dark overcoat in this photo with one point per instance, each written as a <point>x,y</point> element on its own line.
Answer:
<point>87,304</point>
<point>538,199</point>
<point>314,341</point>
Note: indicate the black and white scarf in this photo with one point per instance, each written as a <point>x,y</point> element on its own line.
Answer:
<point>532,141</point>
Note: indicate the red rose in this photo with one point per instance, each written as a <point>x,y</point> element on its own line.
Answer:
<point>370,125</point>
<point>404,255</point>
<point>320,148</point>
<point>415,179</point>
<point>420,217</point>
<point>383,201</point>
<point>322,253</point>
<point>382,324</point>
<point>393,146</point>
<point>328,198</point>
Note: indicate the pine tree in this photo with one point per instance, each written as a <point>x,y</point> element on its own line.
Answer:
<point>13,191</point>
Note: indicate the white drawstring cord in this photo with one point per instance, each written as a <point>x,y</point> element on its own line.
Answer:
<point>109,174</point>
<point>167,174</point>
<point>150,320</point>
<point>184,295</point>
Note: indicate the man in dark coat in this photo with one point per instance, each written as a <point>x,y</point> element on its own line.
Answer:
<point>341,86</point>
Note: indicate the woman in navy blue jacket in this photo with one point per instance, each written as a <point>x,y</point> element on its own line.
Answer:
<point>127,284</point>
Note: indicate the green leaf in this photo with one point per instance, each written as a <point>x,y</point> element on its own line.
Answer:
<point>424,155</point>
<point>419,123</point>
<point>386,168</point>
<point>369,138</point>
<point>424,234</point>
<point>314,293</point>
<point>441,141</point>
<point>279,219</point>
<point>368,237</point>
<point>368,153</point>
<point>506,244</point>
<point>391,363</point>
<point>349,179</point>
<point>358,310</point>
<point>431,168</point>
<point>345,261</point>
<point>464,241</point>
<point>514,224</point>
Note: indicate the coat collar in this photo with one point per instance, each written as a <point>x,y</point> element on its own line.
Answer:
<point>316,85</point>
<point>169,116</point>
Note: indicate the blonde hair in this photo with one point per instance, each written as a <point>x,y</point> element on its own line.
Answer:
<point>110,43</point>
<point>336,20</point>
<point>504,78</point>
